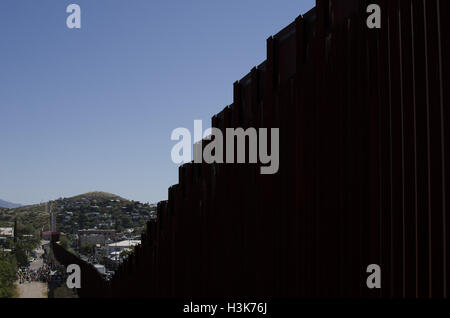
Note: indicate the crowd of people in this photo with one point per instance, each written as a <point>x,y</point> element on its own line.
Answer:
<point>46,273</point>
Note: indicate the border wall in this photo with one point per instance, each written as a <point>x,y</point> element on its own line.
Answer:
<point>364,120</point>
<point>92,283</point>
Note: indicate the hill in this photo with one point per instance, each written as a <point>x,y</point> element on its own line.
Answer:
<point>8,205</point>
<point>90,210</point>
<point>97,195</point>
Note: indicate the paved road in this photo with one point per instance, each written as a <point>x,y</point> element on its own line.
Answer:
<point>33,289</point>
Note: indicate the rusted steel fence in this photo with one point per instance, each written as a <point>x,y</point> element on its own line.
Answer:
<point>92,283</point>
<point>364,120</point>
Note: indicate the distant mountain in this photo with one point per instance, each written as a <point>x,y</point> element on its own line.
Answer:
<point>8,205</point>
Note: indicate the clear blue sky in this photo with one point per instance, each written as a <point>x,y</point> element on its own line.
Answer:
<point>93,109</point>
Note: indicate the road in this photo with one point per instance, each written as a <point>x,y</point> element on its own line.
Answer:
<point>33,289</point>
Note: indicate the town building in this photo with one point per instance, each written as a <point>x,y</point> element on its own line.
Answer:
<point>7,232</point>
<point>114,249</point>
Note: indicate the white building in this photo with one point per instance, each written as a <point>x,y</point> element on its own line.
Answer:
<point>121,246</point>
<point>7,232</point>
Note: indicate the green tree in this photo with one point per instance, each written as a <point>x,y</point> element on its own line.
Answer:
<point>64,242</point>
<point>8,270</point>
<point>125,253</point>
<point>127,222</point>
<point>86,248</point>
<point>20,253</point>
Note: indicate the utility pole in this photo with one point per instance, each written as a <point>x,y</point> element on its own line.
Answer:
<point>15,230</point>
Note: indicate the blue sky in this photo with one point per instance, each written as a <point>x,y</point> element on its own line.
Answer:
<point>93,109</point>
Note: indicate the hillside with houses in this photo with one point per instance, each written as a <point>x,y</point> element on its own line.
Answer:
<point>99,227</point>
<point>93,210</point>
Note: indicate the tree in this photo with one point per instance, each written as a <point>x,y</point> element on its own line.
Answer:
<point>8,269</point>
<point>125,253</point>
<point>127,222</point>
<point>20,253</point>
<point>86,248</point>
<point>64,242</point>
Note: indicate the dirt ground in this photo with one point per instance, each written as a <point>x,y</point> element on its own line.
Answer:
<point>33,289</point>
